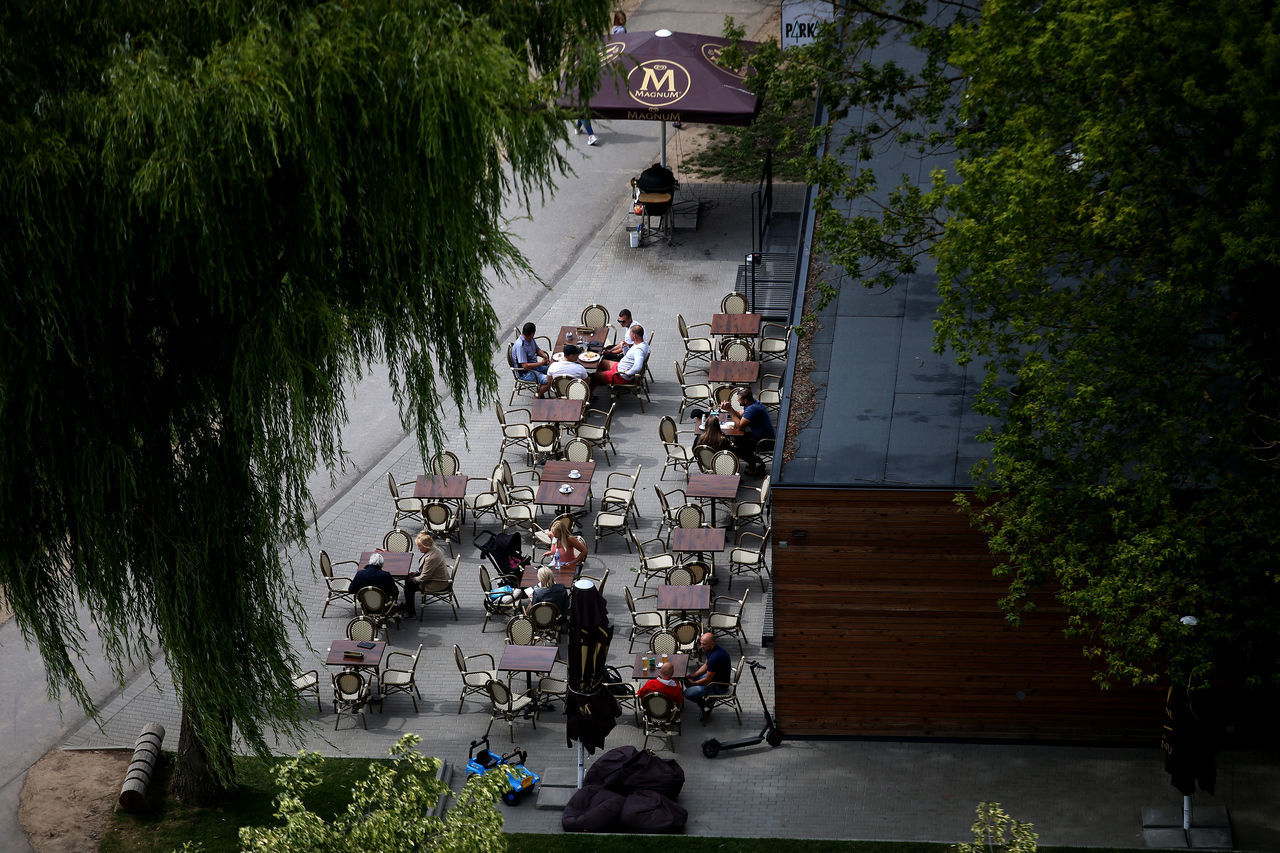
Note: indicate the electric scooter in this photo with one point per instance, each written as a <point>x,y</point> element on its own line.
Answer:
<point>770,734</point>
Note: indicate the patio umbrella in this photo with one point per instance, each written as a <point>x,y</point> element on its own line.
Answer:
<point>1188,739</point>
<point>591,710</point>
<point>666,76</point>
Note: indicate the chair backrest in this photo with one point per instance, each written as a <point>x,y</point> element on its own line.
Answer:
<point>511,361</point>
<point>460,659</point>
<point>725,462</point>
<point>764,490</point>
<point>372,599</point>
<point>391,484</point>
<point>362,629</point>
<point>682,326</point>
<point>520,631</point>
<point>679,576</point>
<point>414,666</point>
<point>705,455</point>
<point>545,435</point>
<point>687,633</point>
<point>577,450</point>
<point>698,569</point>
<point>599,582</point>
<point>349,683</point>
<point>486,584</point>
<point>577,389</point>
<point>595,316</point>
<point>326,564</point>
<point>498,692</point>
<point>680,373</point>
<point>738,350</point>
<point>733,303</point>
<point>737,673</point>
<point>688,516</point>
<point>658,706</point>
<point>439,515</point>
<point>545,614</point>
<point>667,431</point>
<point>445,463</point>
<point>631,602</point>
<point>725,394</point>
<point>560,385</point>
<point>397,541</point>
<point>663,643</point>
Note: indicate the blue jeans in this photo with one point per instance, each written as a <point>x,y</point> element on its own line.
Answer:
<point>694,694</point>
<point>538,374</point>
<point>586,124</point>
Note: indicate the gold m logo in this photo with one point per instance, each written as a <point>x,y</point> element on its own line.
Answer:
<point>658,82</point>
<point>653,83</point>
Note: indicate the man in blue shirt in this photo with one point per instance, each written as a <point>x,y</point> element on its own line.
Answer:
<point>529,360</point>
<point>755,425</point>
<point>712,678</point>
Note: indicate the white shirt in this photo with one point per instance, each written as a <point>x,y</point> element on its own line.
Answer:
<point>567,368</point>
<point>633,361</point>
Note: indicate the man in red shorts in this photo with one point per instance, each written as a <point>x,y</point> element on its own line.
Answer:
<point>622,372</point>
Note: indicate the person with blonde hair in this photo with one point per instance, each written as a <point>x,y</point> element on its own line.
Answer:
<point>566,549</point>
<point>432,571</point>
<point>548,590</point>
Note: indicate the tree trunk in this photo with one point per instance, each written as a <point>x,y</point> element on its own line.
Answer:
<point>195,774</point>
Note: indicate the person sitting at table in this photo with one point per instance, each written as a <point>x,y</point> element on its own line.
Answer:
<point>631,365</point>
<point>529,359</point>
<point>567,550</point>
<point>374,575</point>
<point>432,571</point>
<point>568,367</point>
<point>664,683</point>
<point>712,436</point>
<point>618,350</point>
<point>755,425</point>
<point>712,678</point>
<point>548,590</point>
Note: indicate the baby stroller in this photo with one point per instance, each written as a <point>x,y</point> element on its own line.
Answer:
<point>503,550</point>
<point>651,195</point>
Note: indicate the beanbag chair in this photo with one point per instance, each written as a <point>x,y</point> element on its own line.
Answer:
<point>649,811</point>
<point>592,809</point>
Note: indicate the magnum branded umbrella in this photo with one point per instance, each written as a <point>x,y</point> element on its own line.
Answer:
<point>591,710</point>
<point>665,76</point>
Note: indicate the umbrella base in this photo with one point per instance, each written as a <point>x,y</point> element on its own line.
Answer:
<point>1210,828</point>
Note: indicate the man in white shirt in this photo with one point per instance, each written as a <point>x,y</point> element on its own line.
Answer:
<point>568,367</point>
<point>626,370</point>
<point>625,325</point>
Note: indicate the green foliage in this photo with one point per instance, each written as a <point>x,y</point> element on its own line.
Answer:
<point>212,217</point>
<point>1107,254</point>
<point>996,832</point>
<point>390,810</point>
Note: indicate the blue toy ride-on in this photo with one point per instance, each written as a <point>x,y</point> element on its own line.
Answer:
<point>520,779</point>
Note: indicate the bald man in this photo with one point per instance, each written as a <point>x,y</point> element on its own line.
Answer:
<point>665,683</point>
<point>712,678</point>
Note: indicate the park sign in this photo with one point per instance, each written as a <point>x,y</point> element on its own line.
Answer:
<point>801,18</point>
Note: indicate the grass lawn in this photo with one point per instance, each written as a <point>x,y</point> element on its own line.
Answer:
<point>172,824</point>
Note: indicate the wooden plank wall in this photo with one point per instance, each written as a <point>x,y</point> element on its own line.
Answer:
<point>886,623</point>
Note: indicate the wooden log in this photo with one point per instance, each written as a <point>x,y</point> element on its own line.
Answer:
<point>146,755</point>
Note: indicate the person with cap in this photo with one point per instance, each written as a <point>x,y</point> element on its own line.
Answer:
<point>567,367</point>
<point>374,575</point>
<point>665,683</point>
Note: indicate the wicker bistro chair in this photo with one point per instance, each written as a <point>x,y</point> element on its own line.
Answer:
<point>405,507</point>
<point>692,393</point>
<point>507,705</point>
<point>688,634</point>
<point>747,558</point>
<point>663,642</point>
<point>577,389</point>
<point>696,348</point>
<point>548,623</point>
<point>661,716</point>
<point>474,677</point>
<point>442,591</point>
<point>397,541</point>
<point>515,433</point>
<point>336,588</point>
<point>598,433</point>
<point>642,621</point>
<point>620,493</point>
<point>595,316</point>
<point>495,603</point>
<point>686,517</point>
<point>726,617</point>
<point>544,442</point>
<point>351,693</point>
<point>699,569</point>
<point>396,678</point>
<point>754,509</point>
<point>578,450</point>
<point>639,385</point>
<point>734,303</point>
<point>522,631</point>
<point>443,522</point>
<point>516,512</point>
<point>444,463</point>
<point>363,629</point>
<point>653,563</point>
<point>598,582</point>
<point>549,689</point>
<point>725,462</point>
<point>308,683</point>
<point>677,454</point>
<point>614,521</point>
<point>775,340</point>
<point>703,455</point>
<point>679,576</point>
<point>379,607</point>
<point>479,504</point>
<point>737,349</point>
<point>729,697</point>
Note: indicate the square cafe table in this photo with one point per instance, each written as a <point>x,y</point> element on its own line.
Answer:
<point>554,410</point>
<point>530,576</point>
<point>716,487</point>
<point>640,672</point>
<point>527,659</point>
<point>557,471</point>
<point>396,563</point>
<point>580,338</point>
<point>436,487</point>
<point>693,597</point>
<point>549,494</point>
<point>372,657</point>
<point>698,540</point>
<point>736,325</point>
<point>734,372</point>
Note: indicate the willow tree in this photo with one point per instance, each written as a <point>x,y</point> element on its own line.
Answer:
<point>212,216</point>
<point>1104,228</point>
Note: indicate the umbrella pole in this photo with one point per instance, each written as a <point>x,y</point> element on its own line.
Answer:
<point>581,761</point>
<point>1186,804</point>
<point>662,155</point>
